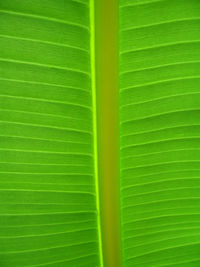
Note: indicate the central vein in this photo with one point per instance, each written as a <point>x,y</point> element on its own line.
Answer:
<point>106,54</point>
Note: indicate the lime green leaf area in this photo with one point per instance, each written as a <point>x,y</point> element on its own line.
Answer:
<point>49,184</point>
<point>48,213</point>
<point>160,132</point>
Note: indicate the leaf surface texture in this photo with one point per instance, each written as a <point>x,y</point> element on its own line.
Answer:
<point>48,213</point>
<point>159,132</point>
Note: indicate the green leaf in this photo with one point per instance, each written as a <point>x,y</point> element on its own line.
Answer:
<point>58,69</point>
<point>159,107</point>
<point>48,182</point>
